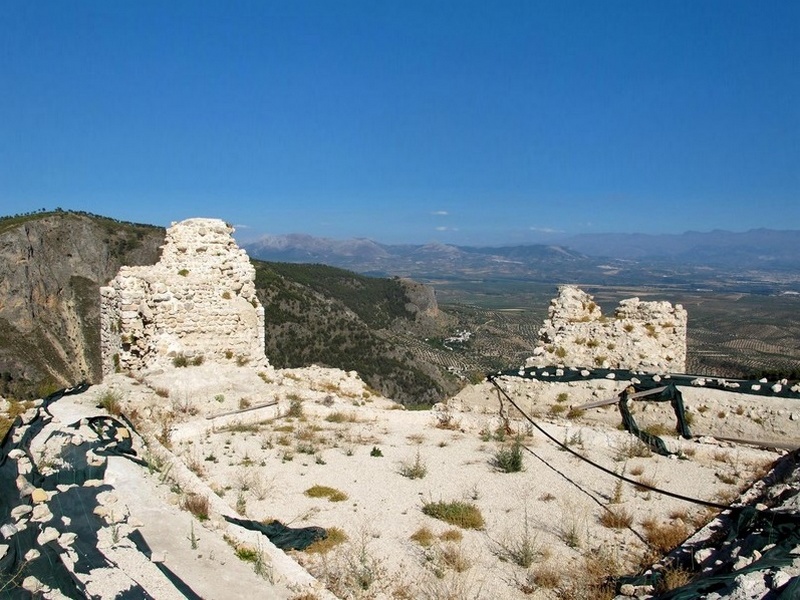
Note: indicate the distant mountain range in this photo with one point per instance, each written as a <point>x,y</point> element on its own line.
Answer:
<point>754,249</point>
<point>757,260</point>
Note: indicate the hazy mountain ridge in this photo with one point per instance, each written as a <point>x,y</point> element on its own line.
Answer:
<point>759,260</point>
<point>767,248</point>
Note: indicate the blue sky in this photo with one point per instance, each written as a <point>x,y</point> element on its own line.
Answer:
<point>405,121</point>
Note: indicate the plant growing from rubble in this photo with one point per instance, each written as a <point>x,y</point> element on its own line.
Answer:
<point>197,504</point>
<point>110,401</point>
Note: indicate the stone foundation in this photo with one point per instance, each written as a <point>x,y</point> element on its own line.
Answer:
<point>197,303</point>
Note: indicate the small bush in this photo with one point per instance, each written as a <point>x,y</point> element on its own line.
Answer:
<point>295,406</point>
<point>575,413</point>
<point>663,537</point>
<point>673,578</point>
<point>183,272</point>
<point>416,469</point>
<point>562,397</point>
<point>557,409</point>
<point>323,491</point>
<point>423,536</point>
<point>341,417</point>
<point>197,505</point>
<point>458,513</point>
<point>247,553</point>
<point>376,452</point>
<point>110,401</point>
<point>509,460</point>
<point>543,576</point>
<point>632,447</point>
<point>521,548</point>
<point>617,518</point>
<point>180,360</point>
<point>335,537</point>
<point>451,535</point>
<point>198,360</point>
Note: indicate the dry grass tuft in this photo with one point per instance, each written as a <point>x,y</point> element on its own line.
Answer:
<point>663,537</point>
<point>197,505</point>
<point>423,536</point>
<point>335,537</point>
<point>616,518</point>
<point>673,578</point>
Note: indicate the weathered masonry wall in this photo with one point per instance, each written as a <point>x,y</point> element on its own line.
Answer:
<point>199,300</point>
<point>643,336</point>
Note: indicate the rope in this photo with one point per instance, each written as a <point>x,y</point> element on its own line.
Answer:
<point>639,484</point>
<point>577,485</point>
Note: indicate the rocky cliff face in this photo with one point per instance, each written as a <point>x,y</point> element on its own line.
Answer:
<point>51,269</point>
<point>647,336</point>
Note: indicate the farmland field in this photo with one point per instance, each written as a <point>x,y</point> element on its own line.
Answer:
<point>730,334</point>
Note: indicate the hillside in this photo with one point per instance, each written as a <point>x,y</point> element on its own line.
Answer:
<point>51,267</point>
<point>323,315</point>
<point>53,264</point>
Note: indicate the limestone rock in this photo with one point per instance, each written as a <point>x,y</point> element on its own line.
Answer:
<point>642,336</point>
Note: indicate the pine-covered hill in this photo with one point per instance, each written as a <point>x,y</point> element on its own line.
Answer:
<point>323,315</point>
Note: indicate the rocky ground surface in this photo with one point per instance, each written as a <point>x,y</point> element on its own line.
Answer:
<point>315,447</point>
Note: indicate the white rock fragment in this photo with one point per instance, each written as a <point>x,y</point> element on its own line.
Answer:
<point>41,513</point>
<point>49,534</point>
<point>19,511</point>
<point>8,530</point>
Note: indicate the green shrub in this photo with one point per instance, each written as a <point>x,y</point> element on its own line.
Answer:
<point>110,401</point>
<point>416,469</point>
<point>324,491</point>
<point>509,459</point>
<point>457,512</point>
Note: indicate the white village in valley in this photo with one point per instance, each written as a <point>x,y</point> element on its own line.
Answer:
<point>206,465</point>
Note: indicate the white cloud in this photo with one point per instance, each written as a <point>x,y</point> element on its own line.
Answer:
<point>440,213</point>
<point>545,230</point>
<point>442,228</point>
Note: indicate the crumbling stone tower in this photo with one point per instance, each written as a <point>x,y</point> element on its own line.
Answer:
<point>199,300</point>
<point>641,336</point>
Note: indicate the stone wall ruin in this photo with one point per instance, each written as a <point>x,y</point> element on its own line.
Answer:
<point>641,336</point>
<point>197,303</point>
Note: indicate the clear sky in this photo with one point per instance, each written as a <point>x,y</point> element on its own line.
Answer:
<point>466,122</point>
